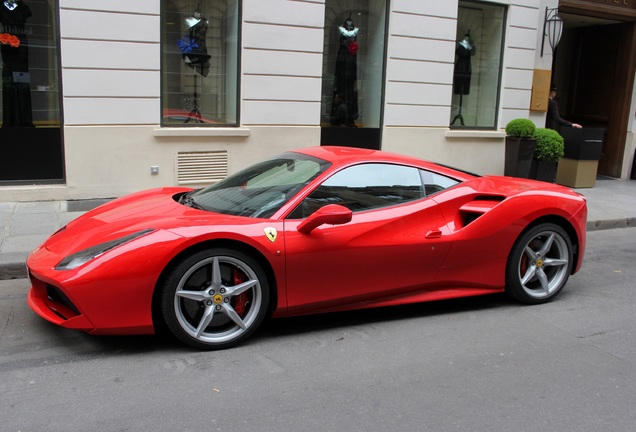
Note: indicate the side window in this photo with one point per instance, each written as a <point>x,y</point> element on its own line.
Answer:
<point>365,187</point>
<point>434,182</point>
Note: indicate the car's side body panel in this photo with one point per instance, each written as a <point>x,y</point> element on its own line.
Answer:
<point>380,253</point>
<point>453,243</point>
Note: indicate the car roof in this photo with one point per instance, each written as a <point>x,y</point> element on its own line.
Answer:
<point>339,155</point>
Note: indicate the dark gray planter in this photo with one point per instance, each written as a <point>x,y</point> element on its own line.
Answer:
<point>518,156</point>
<point>543,170</point>
<point>583,144</point>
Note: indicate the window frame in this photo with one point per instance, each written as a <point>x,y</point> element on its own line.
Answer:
<point>422,174</point>
<point>497,96</point>
<point>237,76</point>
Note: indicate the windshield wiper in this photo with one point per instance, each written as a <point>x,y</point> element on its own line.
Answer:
<point>187,200</point>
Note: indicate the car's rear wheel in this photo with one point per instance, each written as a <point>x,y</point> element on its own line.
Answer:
<point>215,298</point>
<point>539,264</point>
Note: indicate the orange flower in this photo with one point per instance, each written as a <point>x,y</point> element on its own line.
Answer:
<point>9,39</point>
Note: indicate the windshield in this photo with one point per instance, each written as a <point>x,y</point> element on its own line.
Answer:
<point>262,189</point>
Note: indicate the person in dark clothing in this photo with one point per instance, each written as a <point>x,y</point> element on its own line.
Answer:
<point>554,118</point>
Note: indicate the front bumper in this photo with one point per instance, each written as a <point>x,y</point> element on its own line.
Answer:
<point>53,305</point>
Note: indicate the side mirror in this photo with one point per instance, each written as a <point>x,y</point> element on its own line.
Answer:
<point>333,214</point>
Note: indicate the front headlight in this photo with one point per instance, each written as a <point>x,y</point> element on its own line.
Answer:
<point>77,259</point>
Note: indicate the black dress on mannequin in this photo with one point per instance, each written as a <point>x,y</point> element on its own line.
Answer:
<point>344,108</point>
<point>463,71</point>
<point>16,89</point>
<point>194,50</point>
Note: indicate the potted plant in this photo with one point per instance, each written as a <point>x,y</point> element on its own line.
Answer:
<point>520,145</point>
<point>548,151</point>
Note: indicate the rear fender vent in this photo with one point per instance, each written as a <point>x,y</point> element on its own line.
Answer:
<point>476,208</point>
<point>201,167</point>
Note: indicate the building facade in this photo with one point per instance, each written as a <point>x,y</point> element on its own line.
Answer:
<point>101,98</point>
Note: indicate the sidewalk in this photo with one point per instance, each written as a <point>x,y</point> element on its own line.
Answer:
<point>24,226</point>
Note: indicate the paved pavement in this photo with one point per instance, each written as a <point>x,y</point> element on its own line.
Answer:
<point>25,225</point>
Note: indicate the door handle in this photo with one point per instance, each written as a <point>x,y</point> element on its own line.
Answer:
<point>433,234</point>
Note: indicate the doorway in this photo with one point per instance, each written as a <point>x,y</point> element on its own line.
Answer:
<point>594,71</point>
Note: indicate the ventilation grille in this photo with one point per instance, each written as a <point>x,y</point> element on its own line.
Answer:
<point>201,167</point>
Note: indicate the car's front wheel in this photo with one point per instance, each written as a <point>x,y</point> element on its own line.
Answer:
<point>215,298</point>
<point>539,264</point>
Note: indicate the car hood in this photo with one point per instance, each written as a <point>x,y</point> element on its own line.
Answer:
<point>153,209</point>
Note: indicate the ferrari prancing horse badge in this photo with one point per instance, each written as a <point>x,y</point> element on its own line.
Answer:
<point>270,233</point>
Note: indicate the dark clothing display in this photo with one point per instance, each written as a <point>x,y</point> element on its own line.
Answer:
<point>554,118</point>
<point>345,95</point>
<point>16,87</point>
<point>462,72</point>
<point>193,48</point>
<point>463,69</point>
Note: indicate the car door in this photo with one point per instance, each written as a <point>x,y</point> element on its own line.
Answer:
<point>394,244</point>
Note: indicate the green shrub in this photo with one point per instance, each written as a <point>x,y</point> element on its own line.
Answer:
<point>549,145</point>
<point>521,127</point>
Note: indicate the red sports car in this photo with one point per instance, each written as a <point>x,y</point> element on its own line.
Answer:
<point>313,230</point>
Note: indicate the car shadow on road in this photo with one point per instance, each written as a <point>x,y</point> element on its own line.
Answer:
<point>329,321</point>
<point>76,346</point>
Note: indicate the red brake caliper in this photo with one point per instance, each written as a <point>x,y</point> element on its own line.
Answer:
<point>523,268</point>
<point>239,302</point>
<point>525,262</point>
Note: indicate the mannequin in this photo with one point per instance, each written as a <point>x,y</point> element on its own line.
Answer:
<point>10,4</point>
<point>193,48</point>
<point>344,108</point>
<point>16,89</point>
<point>195,54</point>
<point>462,72</point>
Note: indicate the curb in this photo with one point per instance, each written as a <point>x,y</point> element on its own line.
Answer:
<point>611,224</point>
<point>13,271</point>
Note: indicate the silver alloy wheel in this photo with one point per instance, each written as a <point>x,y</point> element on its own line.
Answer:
<point>221,309</point>
<point>543,266</point>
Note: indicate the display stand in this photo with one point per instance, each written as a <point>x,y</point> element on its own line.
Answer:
<point>195,114</point>
<point>459,115</point>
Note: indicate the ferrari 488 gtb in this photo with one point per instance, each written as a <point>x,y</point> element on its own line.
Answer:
<point>315,230</point>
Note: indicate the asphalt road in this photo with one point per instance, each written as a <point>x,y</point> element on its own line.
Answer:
<point>484,364</point>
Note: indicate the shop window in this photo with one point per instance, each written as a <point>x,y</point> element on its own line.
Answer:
<point>200,58</point>
<point>353,63</point>
<point>477,70</point>
<point>30,113</point>
<point>30,72</point>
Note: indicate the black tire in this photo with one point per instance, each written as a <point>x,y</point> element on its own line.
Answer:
<point>215,299</point>
<point>539,264</point>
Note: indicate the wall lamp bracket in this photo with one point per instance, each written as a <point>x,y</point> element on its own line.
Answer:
<point>552,28</point>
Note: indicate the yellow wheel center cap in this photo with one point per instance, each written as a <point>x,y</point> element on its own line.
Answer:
<point>218,299</point>
<point>539,263</point>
